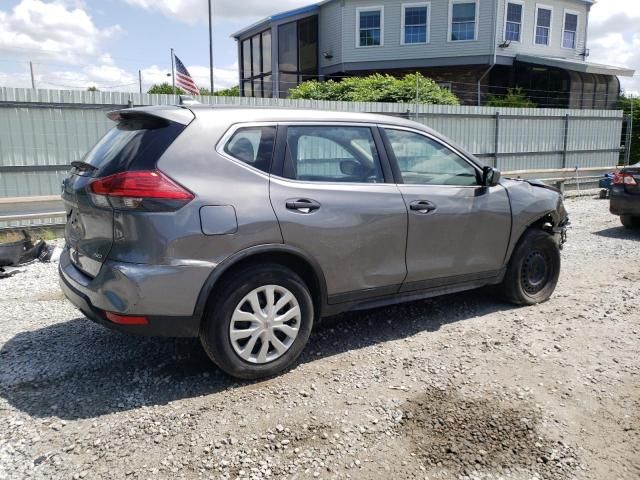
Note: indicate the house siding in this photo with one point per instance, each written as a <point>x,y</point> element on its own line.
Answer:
<point>330,33</point>
<point>554,49</point>
<point>392,48</point>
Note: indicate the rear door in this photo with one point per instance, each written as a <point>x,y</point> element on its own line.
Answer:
<point>136,143</point>
<point>335,199</point>
<point>458,230</point>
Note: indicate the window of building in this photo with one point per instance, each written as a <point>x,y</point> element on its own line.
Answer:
<point>253,146</point>
<point>246,58</point>
<point>297,53</point>
<point>543,25</point>
<point>370,26</point>
<point>423,161</point>
<point>415,23</point>
<point>256,65</point>
<point>332,154</point>
<point>463,20</point>
<point>570,30</point>
<point>513,26</point>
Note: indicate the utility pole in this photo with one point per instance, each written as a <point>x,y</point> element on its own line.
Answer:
<point>140,80</point>
<point>173,72</point>
<point>33,78</point>
<point>211,45</point>
<point>631,129</point>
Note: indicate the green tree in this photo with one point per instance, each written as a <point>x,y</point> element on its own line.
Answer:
<point>412,88</point>
<point>93,88</point>
<point>631,107</point>
<point>164,89</point>
<point>228,92</point>
<point>515,98</point>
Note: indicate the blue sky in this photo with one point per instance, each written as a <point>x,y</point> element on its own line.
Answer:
<point>79,43</point>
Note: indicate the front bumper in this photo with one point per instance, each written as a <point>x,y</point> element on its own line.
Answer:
<point>624,203</point>
<point>136,290</point>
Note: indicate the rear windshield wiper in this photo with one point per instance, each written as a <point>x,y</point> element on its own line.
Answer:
<point>83,166</point>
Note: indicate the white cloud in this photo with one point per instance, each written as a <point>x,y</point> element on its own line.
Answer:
<point>59,30</point>
<point>195,11</point>
<point>614,37</point>
<point>107,76</point>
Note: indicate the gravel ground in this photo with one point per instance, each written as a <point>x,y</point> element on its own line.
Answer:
<point>460,387</point>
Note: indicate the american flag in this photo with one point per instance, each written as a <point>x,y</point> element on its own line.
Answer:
<point>183,78</point>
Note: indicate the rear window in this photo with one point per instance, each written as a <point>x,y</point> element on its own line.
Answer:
<point>134,144</point>
<point>253,146</point>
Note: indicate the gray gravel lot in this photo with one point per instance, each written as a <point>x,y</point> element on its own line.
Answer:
<point>457,387</point>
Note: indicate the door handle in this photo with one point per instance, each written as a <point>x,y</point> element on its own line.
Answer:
<point>303,205</point>
<point>422,206</point>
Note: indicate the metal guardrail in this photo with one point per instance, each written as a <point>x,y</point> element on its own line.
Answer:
<point>560,177</point>
<point>563,177</point>
<point>31,216</point>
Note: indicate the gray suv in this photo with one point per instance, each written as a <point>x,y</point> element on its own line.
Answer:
<point>245,226</point>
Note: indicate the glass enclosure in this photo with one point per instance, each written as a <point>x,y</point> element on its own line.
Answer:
<point>256,66</point>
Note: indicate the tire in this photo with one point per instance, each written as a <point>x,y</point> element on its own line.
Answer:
<point>233,304</point>
<point>630,222</point>
<point>533,271</point>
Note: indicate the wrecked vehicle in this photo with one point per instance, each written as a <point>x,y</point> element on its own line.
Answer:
<point>244,226</point>
<point>22,252</point>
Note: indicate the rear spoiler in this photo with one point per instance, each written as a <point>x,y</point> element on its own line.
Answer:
<point>173,114</point>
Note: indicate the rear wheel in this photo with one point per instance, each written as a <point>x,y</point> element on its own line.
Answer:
<point>259,322</point>
<point>630,222</point>
<point>534,269</point>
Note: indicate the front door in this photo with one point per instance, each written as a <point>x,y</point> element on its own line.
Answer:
<point>458,230</point>
<point>334,202</point>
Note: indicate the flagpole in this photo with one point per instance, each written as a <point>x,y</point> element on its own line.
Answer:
<point>173,71</point>
<point>211,46</point>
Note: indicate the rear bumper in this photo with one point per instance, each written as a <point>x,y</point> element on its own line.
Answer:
<point>623,203</point>
<point>165,295</point>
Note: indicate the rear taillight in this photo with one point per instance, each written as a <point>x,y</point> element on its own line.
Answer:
<point>145,190</point>
<point>625,179</point>
<point>617,178</point>
<point>125,319</point>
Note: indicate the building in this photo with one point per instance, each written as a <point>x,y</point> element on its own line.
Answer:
<point>473,47</point>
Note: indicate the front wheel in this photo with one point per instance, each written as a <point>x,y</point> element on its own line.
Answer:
<point>534,269</point>
<point>259,322</point>
<point>630,222</point>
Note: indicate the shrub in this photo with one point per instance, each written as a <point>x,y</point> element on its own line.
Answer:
<point>412,88</point>
<point>514,98</point>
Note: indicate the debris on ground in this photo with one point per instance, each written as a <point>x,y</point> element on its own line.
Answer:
<point>24,252</point>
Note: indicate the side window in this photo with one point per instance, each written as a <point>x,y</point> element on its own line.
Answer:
<point>570,30</point>
<point>463,20</point>
<point>543,26</point>
<point>253,146</point>
<point>332,154</point>
<point>513,27</point>
<point>423,161</point>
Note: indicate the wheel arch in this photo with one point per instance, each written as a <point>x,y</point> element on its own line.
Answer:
<point>291,257</point>
<point>545,222</point>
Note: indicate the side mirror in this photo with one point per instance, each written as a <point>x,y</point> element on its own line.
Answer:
<point>490,176</point>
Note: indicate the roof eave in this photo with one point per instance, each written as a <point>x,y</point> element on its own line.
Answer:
<point>277,17</point>
<point>578,66</point>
